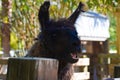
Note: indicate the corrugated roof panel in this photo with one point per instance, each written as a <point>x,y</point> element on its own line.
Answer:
<point>92,26</point>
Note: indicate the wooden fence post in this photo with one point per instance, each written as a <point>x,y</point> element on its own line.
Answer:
<point>32,69</point>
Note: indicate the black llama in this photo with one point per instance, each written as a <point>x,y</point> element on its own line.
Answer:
<point>58,40</point>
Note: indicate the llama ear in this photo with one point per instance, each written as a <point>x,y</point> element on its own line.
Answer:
<point>43,15</point>
<point>76,13</point>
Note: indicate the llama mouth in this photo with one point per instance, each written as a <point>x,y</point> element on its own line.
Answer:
<point>74,55</point>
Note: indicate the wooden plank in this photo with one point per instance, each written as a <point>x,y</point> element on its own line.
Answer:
<point>117,14</point>
<point>109,58</point>
<point>109,55</point>
<point>32,69</point>
<point>111,69</point>
<point>83,62</point>
<point>115,61</point>
<point>81,76</point>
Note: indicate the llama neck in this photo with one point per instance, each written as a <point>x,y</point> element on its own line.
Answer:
<point>65,71</point>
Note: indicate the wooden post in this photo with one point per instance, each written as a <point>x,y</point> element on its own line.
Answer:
<point>32,69</point>
<point>3,67</point>
<point>118,30</point>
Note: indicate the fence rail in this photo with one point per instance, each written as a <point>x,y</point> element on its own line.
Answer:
<point>81,69</point>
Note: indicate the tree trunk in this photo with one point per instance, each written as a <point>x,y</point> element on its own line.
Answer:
<point>32,69</point>
<point>6,13</point>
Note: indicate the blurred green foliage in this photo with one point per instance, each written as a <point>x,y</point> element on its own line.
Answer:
<point>25,25</point>
<point>112,39</point>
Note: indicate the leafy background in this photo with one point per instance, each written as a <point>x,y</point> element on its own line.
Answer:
<point>25,25</point>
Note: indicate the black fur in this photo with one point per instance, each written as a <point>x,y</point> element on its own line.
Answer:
<point>58,40</point>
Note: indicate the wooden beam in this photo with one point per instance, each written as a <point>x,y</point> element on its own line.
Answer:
<point>118,30</point>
